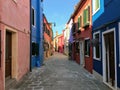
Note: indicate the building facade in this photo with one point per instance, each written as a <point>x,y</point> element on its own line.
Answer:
<point>70,41</point>
<point>82,29</point>
<point>48,37</point>
<point>106,41</point>
<point>66,39</point>
<point>15,40</point>
<point>37,33</point>
<point>61,42</point>
<point>55,42</point>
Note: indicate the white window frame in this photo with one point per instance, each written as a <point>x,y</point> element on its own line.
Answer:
<point>34,18</point>
<point>104,57</point>
<point>84,50</point>
<point>93,7</point>
<point>94,50</point>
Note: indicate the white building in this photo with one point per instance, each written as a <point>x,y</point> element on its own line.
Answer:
<point>67,36</point>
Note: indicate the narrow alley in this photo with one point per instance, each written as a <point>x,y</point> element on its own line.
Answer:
<point>58,73</point>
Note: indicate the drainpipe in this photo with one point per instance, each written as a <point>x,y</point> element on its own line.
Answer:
<point>30,39</point>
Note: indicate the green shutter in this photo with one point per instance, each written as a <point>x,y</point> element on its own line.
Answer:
<point>97,4</point>
<point>78,22</point>
<point>88,9</point>
<point>84,17</point>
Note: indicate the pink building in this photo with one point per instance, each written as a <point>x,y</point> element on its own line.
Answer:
<point>15,40</point>
<point>61,43</point>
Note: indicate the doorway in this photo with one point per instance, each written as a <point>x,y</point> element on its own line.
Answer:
<point>8,54</point>
<point>82,53</point>
<point>109,58</point>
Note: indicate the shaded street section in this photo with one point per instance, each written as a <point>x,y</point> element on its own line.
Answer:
<point>58,73</point>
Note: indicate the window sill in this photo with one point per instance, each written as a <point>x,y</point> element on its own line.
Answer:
<point>98,59</point>
<point>95,11</point>
<point>87,56</point>
<point>34,55</point>
<point>33,25</point>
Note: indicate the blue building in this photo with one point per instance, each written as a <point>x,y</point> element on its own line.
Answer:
<point>36,33</point>
<point>106,41</point>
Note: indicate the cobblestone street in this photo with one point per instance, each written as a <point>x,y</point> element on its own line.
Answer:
<point>58,73</point>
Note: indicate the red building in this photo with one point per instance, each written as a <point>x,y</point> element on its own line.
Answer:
<point>14,40</point>
<point>48,38</point>
<point>82,29</point>
<point>61,43</point>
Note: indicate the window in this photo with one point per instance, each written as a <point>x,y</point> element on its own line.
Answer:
<point>87,47</point>
<point>86,16</point>
<point>97,47</point>
<point>79,21</point>
<point>35,49</point>
<point>73,27</point>
<point>48,32</point>
<point>44,27</point>
<point>77,47</point>
<point>33,17</point>
<point>96,6</point>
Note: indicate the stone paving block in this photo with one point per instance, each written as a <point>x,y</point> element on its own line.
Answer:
<point>58,73</point>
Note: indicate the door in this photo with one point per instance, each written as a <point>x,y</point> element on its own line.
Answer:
<point>110,58</point>
<point>74,52</point>
<point>81,53</point>
<point>8,54</point>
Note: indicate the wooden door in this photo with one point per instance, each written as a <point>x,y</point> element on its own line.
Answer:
<point>110,58</point>
<point>8,54</point>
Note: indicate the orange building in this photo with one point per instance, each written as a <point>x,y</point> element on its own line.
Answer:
<point>82,29</point>
<point>48,38</point>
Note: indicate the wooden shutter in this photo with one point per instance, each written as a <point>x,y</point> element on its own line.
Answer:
<point>78,22</point>
<point>76,26</point>
<point>84,17</point>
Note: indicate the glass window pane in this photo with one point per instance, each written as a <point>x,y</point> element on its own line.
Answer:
<point>87,47</point>
<point>97,48</point>
<point>33,17</point>
<point>97,5</point>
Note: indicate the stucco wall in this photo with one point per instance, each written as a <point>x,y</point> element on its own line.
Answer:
<point>15,16</point>
<point>2,69</point>
<point>85,33</point>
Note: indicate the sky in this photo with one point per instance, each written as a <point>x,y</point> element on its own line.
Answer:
<point>58,12</point>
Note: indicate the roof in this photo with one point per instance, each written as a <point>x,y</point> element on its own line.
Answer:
<point>76,9</point>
